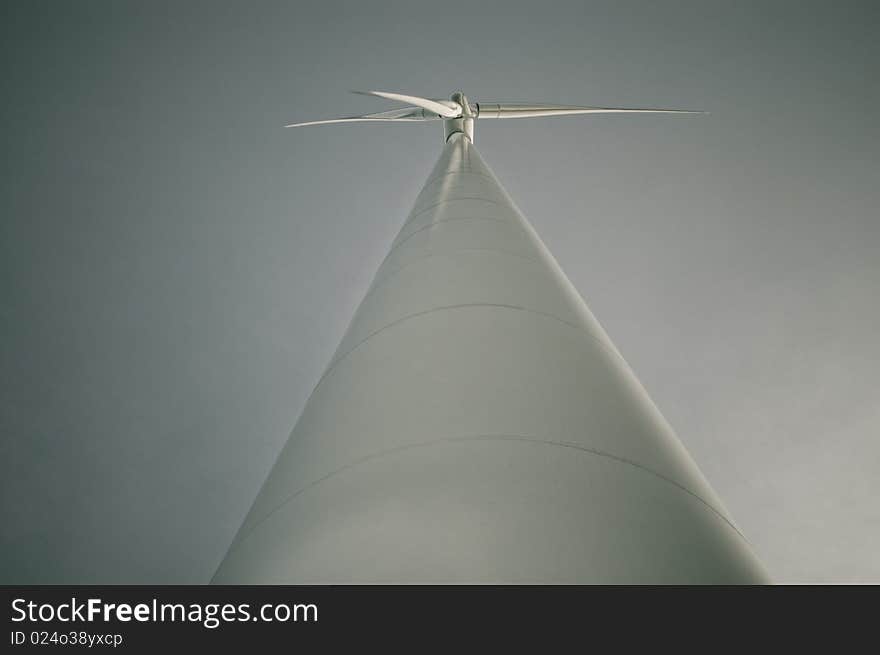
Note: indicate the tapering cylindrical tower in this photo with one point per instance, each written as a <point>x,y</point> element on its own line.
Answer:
<point>477,425</point>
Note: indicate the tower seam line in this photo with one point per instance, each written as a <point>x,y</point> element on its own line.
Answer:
<point>486,437</point>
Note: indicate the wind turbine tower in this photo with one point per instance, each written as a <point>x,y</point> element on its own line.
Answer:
<point>476,424</point>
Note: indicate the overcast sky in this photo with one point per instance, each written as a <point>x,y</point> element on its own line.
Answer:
<point>176,269</point>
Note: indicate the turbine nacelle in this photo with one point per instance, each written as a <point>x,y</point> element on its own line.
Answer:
<point>464,122</point>
<point>458,114</point>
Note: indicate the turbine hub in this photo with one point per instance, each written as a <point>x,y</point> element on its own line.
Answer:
<point>463,124</point>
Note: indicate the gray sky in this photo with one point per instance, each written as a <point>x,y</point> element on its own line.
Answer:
<point>176,269</point>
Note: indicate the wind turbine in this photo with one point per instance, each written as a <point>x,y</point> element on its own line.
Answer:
<point>476,424</point>
<point>458,114</point>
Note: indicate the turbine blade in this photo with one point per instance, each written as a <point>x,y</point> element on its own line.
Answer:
<point>524,110</point>
<point>445,108</point>
<point>346,119</point>
<point>405,114</point>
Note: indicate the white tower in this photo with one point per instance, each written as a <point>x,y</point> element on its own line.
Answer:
<point>477,425</point>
